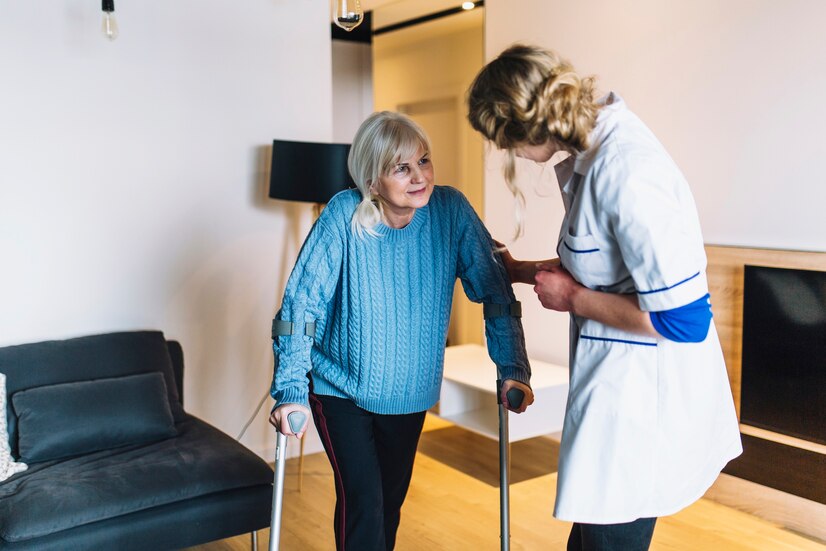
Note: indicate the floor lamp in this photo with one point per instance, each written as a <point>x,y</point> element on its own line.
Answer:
<point>312,173</point>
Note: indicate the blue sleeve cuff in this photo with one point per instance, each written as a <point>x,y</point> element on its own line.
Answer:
<point>689,323</point>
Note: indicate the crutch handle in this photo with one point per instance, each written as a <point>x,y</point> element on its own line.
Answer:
<point>296,419</point>
<point>515,397</point>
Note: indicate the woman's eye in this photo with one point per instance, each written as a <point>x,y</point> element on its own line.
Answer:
<point>401,169</point>
<point>423,161</point>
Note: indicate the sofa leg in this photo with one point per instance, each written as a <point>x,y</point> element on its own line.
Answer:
<point>254,543</point>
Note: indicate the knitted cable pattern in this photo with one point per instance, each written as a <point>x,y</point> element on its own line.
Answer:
<point>384,305</point>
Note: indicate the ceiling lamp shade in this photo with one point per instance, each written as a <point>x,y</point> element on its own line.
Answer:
<point>307,171</point>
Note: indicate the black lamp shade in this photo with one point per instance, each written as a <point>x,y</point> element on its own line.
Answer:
<point>306,171</point>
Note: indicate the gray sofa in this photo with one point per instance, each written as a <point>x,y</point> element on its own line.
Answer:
<point>114,460</point>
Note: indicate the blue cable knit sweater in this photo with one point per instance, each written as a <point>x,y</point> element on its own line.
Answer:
<point>381,306</point>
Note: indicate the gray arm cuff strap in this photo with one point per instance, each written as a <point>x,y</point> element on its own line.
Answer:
<point>514,310</point>
<point>281,328</point>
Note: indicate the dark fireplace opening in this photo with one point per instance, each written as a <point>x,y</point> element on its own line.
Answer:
<point>783,386</point>
<point>783,381</point>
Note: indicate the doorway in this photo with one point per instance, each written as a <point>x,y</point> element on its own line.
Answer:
<point>424,70</point>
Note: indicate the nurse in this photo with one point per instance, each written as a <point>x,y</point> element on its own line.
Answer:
<point>650,419</point>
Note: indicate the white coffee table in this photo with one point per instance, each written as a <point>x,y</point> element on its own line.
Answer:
<point>468,397</point>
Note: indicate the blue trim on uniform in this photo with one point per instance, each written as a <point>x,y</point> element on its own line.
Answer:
<point>576,251</point>
<point>667,288</point>
<point>617,340</point>
<point>689,323</point>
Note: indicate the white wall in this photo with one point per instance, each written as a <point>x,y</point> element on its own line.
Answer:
<point>733,89</point>
<point>133,178</point>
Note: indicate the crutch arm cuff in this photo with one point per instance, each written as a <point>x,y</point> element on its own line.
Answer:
<point>282,328</point>
<point>513,309</point>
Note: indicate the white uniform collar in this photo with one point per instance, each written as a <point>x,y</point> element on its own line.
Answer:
<point>610,104</point>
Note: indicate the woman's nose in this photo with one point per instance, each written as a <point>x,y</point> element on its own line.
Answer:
<point>416,174</point>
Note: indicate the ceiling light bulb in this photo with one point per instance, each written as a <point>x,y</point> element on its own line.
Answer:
<point>110,24</point>
<point>347,14</point>
<point>467,5</point>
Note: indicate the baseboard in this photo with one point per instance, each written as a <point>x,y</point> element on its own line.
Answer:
<point>788,468</point>
<point>795,513</point>
<point>779,438</point>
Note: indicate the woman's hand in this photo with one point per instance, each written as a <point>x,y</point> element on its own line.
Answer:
<point>511,265</point>
<point>278,419</point>
<point>523,271</point>
<point>508,384</point>
<point>556,288</point>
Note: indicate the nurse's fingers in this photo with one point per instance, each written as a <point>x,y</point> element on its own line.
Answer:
<point>546,302</point>
<point>554,289</point>
<point>547,265</point>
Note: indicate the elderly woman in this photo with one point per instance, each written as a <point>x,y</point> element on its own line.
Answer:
<point>650,420</point>
<point>361,333</point>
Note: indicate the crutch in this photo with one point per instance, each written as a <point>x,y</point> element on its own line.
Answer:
<point>515,397</point>
<point>296,420</point>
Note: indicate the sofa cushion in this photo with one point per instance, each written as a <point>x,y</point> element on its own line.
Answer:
<point>8,467</point>
<point>58,495</point>
<point>68,419</point>
<point>86,358</point>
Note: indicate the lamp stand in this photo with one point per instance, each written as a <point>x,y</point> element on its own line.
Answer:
<point>317,208</point>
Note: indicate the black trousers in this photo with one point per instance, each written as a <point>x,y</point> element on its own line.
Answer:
<point>629,536</point>
<point>372,458</point>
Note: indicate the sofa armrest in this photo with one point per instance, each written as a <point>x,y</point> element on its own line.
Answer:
<point>176,352</point>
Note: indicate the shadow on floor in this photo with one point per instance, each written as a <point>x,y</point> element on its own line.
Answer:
<point>478,456</point>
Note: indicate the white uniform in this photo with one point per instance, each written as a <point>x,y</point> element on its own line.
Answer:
<point>649,422</point>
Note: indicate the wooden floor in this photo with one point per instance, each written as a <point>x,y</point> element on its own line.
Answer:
<point>453,504</point>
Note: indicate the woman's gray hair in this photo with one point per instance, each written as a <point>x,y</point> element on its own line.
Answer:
<point>382,141</point>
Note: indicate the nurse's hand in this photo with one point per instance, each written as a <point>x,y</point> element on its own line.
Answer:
<point>508,384</point>
<point>556,288</point>
<point>278,419</point>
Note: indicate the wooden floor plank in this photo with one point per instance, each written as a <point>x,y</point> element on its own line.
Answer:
<point>451,508</point>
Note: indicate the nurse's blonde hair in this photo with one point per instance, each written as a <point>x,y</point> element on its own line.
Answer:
<point>382,141</point>
<point>530,95</point>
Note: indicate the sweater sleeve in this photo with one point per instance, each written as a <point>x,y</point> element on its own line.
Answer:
<point>310,288</point>
<point>485,279</point>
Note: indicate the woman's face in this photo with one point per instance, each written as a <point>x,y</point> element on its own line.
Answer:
<point>538,153</point>
<point>405,188</point>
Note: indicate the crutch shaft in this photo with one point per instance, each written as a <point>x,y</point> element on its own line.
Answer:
<point>278,490</point>
<point>514,397</point>
<point>504,483</point>
<point>296,421</point>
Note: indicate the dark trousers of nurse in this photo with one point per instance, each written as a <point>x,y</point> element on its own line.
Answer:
<point>372,458</point>
<point>629,536</point>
